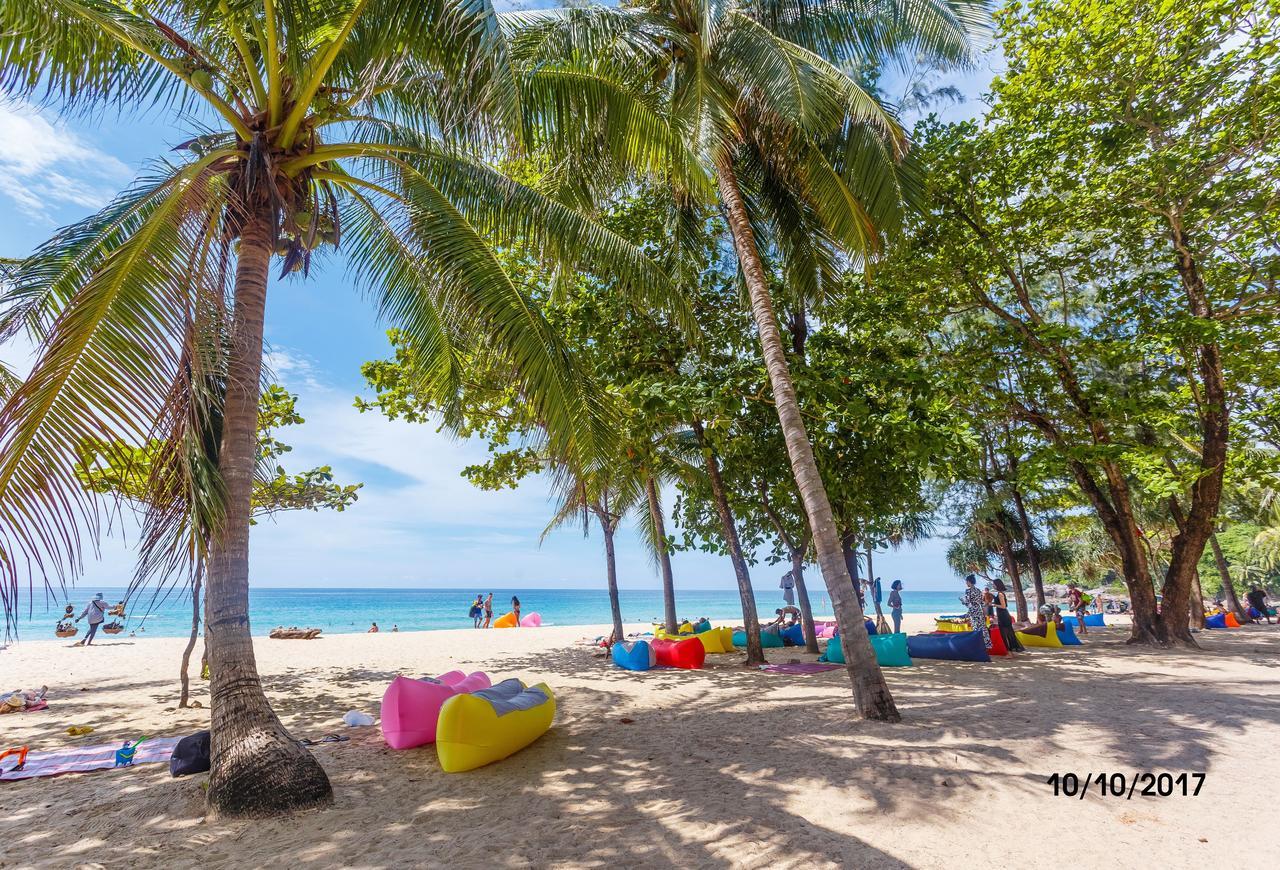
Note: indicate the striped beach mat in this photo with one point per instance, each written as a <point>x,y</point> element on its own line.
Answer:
<point>82,759</point>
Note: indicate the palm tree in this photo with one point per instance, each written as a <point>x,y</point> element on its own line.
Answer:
<point>753,93</point>
<point>347,121</point>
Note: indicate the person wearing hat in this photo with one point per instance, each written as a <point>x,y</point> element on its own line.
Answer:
<point>96,611</point>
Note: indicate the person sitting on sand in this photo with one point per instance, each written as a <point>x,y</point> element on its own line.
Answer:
<point>1257,598</point>
<point>373,629</point>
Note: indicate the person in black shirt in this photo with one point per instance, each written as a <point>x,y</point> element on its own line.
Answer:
<point>1258,600</point>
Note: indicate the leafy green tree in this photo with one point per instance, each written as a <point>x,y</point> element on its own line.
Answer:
<point>756,96</point>
<point>346,122</point>
<point>129,473</point>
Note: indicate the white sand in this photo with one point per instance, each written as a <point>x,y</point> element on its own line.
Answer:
<point>723,767</point>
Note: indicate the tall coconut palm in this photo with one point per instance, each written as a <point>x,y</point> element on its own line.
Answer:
<point>751,92</point>
<point>345,122</point>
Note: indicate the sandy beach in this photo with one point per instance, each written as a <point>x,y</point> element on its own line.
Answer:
<point>725,767</point>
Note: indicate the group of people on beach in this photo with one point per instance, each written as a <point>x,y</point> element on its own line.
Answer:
<point>481,611</point>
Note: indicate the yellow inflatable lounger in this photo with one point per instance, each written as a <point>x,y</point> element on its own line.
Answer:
<point>488,725</point>
<point>1034,637</point>
<point>952,625</point>
<point>726,638</point>
<point>506,620</point>
<point>712,641</point>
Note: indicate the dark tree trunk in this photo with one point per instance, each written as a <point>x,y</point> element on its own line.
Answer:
<point>1224,574</point>
<point>1206,491</point>
<point>806,609</point>
<point>881,625</point>
<point>750,620</point>
<point>870,691</point>
<point>1197,602</point>
<point>195,633</point>
<point>257,768</point>
<point>611,570</point>
<point>664,555</point>
<point>1032,548</point>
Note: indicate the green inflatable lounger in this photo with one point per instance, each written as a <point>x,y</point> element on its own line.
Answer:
<point>768,639</point>
<point>891,650</point>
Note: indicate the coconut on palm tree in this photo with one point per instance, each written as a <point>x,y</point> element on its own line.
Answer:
<point>345,124</point>
<point>752,94</point>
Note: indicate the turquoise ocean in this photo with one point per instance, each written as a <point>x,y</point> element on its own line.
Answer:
<point>340,611</point>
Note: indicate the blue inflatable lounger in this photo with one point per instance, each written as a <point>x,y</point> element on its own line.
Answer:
<point>1067,633</point>
<point>633,656</point>
<point>890,650</point>
<point>956,646</point>
<point>1094,620</point>
<point>793,634</point>
<point>1218,620</point>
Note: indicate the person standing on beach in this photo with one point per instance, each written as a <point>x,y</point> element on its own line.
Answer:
<point>515,608</point>
<point>1077,605</point>
<point>972,600</point>
<point>477,610</point>
<point>1000,609</point>
<point>95,610</point>
<point>895,605</point>
<point>488,610</point>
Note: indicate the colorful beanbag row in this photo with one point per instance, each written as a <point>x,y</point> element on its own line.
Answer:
<point>768,639</point>
<point>411,708</point>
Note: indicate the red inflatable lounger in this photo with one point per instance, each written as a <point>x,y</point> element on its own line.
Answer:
<point>996,647</point>
<point>689,654</point>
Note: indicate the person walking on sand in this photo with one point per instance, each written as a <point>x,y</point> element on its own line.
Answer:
<point>1077,605</point>
<point>96,611</point>
<point>972,601</point>
<point>895,605</point>
<point>477,610</point>
<point>488,610</point>
<point>515,608</point>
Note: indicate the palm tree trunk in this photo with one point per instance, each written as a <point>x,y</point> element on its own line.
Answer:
<point>664,555</point>
<point>1224,574</point>
<point>870,691</point>
<point>750,621</point>
<point>257,768</point>
<point>881,625</point>
<point>611,572</point>
<point>806,609</point>
<point>195,632</point>
<point>1029,543</point>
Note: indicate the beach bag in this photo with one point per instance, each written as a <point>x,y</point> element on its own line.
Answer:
<point>191,755</point>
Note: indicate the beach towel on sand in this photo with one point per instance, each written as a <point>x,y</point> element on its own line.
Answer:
<point>81,759</point>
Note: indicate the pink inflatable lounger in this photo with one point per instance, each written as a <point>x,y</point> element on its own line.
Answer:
<point>411,708</point>
<point>533,620</point>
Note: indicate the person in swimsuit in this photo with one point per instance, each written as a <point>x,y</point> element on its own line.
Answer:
<point>488,610</point>
<point>895,605</point>
<point>515,608</point>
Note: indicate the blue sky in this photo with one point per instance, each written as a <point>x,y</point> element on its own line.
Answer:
<point>417,523</point>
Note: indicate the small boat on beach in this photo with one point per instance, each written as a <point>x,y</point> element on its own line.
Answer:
<point>282,633</point>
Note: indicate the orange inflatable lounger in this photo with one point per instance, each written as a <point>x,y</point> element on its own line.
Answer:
<point>506,620</point>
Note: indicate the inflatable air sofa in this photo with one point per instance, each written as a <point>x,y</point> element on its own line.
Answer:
<point>411,708</point>
<point>890,649</point>
<point>491,724</point>
<point>949,645</point>
<point>768,639</point>
<point>688,654</point>
<point>1044,635</point>
<point>637,656</point>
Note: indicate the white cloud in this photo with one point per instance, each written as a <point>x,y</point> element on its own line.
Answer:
<point>44,165</point>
